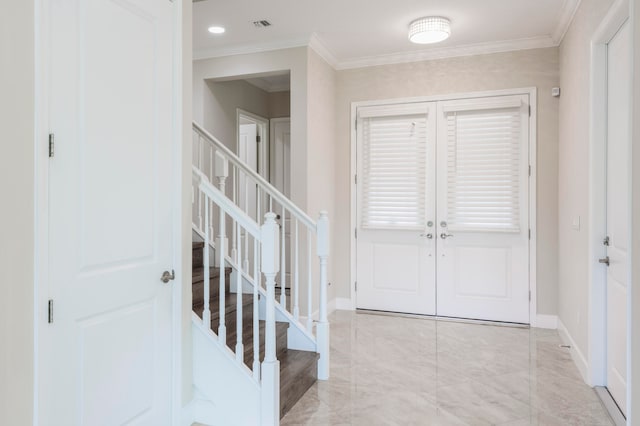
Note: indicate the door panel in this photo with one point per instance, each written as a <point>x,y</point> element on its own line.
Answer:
<point>110,213</point>
<point>483,242</point>
<point>618,213</point>
<point>396,208</point>
<point>281,179</point>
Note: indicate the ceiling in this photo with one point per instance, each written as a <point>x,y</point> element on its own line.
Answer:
<point>357,33</point>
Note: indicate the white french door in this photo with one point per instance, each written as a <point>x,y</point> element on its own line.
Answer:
<point>111,196</point>
<point>443,208</point>
<point>396,248</point>
<point>617,242</point>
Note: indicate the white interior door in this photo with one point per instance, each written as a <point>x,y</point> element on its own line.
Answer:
<point>396,208</point>
<point>483,229</point>
<point>281,179</point>
<point>110,214</point>
<point>618,152</point>
<point>248,152</point>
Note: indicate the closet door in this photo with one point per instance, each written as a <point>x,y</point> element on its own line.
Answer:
<point>482,221</point>
<point>396,208</point>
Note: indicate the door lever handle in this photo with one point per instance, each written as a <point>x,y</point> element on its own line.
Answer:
<point>168,276</point>
<point>444,235</point>
<point>604,260</point>
<point>427,236</point>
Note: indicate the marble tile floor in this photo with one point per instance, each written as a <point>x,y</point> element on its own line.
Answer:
<point>407,371</point>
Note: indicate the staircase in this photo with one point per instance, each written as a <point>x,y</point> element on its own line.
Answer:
<point>259,293</point>
<point>298,369</point>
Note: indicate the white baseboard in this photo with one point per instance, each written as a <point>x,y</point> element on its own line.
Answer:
<point>343,304</point>
<point>546,321</point>
<point>578,358</point>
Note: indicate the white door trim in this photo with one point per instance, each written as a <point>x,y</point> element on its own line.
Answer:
<point>264,133</point>
<point>617,15</point>
<point>532,92</point>
<point>41,340</point>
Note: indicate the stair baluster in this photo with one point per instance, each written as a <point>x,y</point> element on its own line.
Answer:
<point>222,329</point>
<point>206,313</point>
<point>239,345</point>
<point>296,275</point>
<point>283,265</point>
<point>309,286</point>
<point>256,313</point>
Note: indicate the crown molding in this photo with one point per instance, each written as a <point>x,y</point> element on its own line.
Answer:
<point>449,52</point>
<point>567,13</point>
<point>248,49</point>
<point>321,49</point>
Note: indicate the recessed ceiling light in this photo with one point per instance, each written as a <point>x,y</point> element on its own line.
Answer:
<point>216,30</point>
<point>431,29</point>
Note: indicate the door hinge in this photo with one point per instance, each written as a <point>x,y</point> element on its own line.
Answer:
<point>356,125</point>
<point>529,170</point>
<point>52,143</point>
<point>355,179</point>
<point>258,138</point>
<point>50,313</point>
<point>529,233</point>
<point>355,285</point>
<point>529,110</point>
<point>529,295</point>
<point>355,232</point>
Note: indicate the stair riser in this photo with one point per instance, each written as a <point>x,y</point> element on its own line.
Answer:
<point>197,256</point>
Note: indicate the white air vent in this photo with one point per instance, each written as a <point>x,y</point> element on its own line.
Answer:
<point>261,24</point>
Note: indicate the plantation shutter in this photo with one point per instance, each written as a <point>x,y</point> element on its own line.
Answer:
<point>393,166</point>
<point>485,149</point>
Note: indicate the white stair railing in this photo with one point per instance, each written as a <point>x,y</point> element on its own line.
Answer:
<point>301,281</point>
<point>264,241</point>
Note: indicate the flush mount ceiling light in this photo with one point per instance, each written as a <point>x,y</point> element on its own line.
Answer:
<point>431,29</point>
<point>216,30</point>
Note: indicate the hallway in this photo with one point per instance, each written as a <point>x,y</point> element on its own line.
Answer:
<point>404,371</point>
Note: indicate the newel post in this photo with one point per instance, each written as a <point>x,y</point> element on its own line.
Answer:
<point>222,172</point>
<point>322,327</point>
<point>270,262</point>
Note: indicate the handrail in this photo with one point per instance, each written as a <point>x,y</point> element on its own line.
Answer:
<point>262,182</point>
<point>226,204</point>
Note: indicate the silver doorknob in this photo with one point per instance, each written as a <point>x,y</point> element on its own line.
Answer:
<point>168,276</point>
<point>427,236</point>
<point>604,260</point>
<point>444,235</point>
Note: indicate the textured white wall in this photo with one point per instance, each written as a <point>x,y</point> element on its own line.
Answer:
<point>529,68</point>
<point>17,121</point>
<point>279,104</point>
<point>321,139</point>
<point>573,177</point>
<point>221,100</point>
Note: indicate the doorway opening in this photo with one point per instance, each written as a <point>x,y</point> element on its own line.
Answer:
<point>445,206</point>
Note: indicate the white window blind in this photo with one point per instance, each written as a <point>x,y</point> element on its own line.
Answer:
<point>483,169</point>
<point>394,175</point>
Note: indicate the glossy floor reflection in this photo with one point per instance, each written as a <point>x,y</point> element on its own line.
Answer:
<point>405,371</point>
